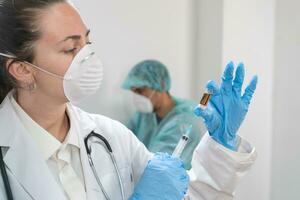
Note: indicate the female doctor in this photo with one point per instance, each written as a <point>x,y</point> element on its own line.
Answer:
<point>47,65</point>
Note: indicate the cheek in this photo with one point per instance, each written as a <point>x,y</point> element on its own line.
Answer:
<point>61,64</point>
<point>156,99</point>
<point>146,93</point>
<point>51,59</point>
<point>55,63</point>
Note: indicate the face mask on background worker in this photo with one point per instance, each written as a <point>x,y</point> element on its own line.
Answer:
<point>83,77</point>
<point>143,104</point>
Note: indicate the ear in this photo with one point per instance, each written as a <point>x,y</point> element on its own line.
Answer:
<point>20,71</point>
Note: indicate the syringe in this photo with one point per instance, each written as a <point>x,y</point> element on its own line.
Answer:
<point>180,146</point>
<point>182,143</point>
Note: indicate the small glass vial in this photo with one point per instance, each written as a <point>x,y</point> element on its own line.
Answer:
<point>204,100</point>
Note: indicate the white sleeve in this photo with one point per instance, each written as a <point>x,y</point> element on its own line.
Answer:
<point>216,170</point>
<point>139,155</point>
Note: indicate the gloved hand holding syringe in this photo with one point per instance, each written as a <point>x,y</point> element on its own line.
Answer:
<point>186,129</point>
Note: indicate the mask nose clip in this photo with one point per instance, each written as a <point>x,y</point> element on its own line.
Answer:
<point>87,57</point>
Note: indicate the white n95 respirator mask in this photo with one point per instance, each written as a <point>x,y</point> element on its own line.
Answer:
<point>142,104</point>
<point>83,77</point>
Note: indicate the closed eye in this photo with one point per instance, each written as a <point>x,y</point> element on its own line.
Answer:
<point>70,50</point>
<point>73,50</point>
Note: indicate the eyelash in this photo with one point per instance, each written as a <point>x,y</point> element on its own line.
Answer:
<point>71,51</point>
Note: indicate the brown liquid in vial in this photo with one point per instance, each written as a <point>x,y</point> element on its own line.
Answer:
<point>205,98</point>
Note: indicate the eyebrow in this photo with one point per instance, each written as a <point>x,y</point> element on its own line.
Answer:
<point>75,37</point>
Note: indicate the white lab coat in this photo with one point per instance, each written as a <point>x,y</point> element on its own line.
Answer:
<point>215,173</point>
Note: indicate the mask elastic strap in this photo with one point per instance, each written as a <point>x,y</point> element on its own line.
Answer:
<point>87,57</point>
<point>45,71</point>
<point>7,56</point>
<point>151,95</point>
<point>32,65</point>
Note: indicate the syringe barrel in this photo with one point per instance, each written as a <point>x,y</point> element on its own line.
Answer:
<point>180,146</point>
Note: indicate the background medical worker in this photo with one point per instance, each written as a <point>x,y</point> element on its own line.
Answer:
<point>161,118</point>
<point>47,66</point>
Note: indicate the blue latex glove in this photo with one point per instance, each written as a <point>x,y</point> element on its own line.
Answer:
<point>227,108</point>
<point>164,178</point>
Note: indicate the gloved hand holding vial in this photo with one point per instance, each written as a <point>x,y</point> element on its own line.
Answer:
<point>226,108</point>
<point>223,110</point>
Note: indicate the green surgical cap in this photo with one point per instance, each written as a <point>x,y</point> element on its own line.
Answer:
<point>148,73</point>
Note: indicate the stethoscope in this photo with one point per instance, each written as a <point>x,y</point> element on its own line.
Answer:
<point>5,178</point>
<point>89,151</point>
<point>110,152</point>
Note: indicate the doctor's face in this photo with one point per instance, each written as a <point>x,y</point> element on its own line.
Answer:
<point>63,34</point>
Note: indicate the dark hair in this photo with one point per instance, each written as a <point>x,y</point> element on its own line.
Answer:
<point>18,32</point>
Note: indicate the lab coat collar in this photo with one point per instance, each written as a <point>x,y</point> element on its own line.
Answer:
<point>34,175</point>
<point>6,117</point>
<point>82,120</point>
<point>46,142</point>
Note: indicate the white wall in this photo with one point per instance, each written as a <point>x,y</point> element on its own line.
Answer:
<point>209,44</point>
<point>248,30</point>
<point>266,36</point>
<point>286,138</point>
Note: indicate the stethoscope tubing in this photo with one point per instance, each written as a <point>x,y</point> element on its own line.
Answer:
<point>110,152</point>
<point>5,178</point>
<point>88,150</point>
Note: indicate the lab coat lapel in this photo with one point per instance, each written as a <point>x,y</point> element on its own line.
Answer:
<point>23,159</point>
<point>92,189</point>
<point>84,127</point>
